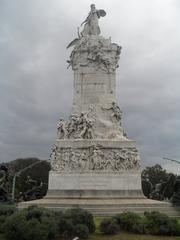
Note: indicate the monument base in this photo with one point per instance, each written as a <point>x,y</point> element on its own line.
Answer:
<point>94,194</point>
<point>124,184</point>
<point>95,168</point>
<point>105,207</point>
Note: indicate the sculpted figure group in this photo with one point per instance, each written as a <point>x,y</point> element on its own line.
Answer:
<point>95,159</point>
<point>78,126</point>
<point>100,59</point>
<point>116,112</point>
<point>81,126</point>
<point>95,53</point>
<point>92,50</point>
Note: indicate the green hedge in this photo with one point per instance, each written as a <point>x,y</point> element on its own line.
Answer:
<point>109,226</point>
<point>37,223</point>
<point>154,223</point>
<point>7,210</point>
<point>30,224</point>
<point>80,216</point>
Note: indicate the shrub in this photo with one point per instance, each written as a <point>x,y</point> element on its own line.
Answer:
<point>138,227</point>
<point>80,216</point>
<point>30,224</point>
<point>75,222</point>
<point>36,230</point>
<point>15,226</point>
<point>117,218</point>
<point>109,226</point>
<point>81,231</point>
<point>160,224</point>
<point>154,223</point>
<point>7,210</point>
<point>34,212</point>
<point>174,226</point>
<point>66,227</point>
<point>128,220</point>
<point>2,221</point>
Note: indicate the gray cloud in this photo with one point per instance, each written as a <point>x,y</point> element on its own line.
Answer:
<point>36,87</point>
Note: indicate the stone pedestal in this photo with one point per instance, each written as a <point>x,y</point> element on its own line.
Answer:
<point>92,168</point>
<point>87,185</point>
<point>92,156</point>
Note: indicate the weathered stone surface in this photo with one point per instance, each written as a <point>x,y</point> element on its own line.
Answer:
<point>95,181</point>
<point>92,152</point>
<point>94,156</point>
<point>96,54</point>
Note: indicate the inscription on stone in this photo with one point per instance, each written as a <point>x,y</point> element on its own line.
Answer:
<point>89,182</point>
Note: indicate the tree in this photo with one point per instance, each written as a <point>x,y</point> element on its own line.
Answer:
<point>176,194</point>
<point>155,174</point>
<point>38,172</point>
<point>151,176</point>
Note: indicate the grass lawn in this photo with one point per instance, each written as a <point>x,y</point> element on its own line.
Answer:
<point>122,236</point>
<point>128,236</point>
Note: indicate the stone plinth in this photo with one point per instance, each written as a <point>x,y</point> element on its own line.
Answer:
<point>87,185</point>
<point>95,169</point>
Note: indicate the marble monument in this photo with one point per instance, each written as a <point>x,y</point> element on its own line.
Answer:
<point>92,156</point>
<point>94,165</point>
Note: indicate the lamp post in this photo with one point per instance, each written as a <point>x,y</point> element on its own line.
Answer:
<point>19,173</point>
<point>172,160</point>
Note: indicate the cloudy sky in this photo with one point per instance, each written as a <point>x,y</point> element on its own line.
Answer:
<point>36,88</point>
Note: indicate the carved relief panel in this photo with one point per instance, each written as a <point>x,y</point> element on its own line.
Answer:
<point>94,159</point>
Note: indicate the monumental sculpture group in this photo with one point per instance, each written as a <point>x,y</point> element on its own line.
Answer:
<point>94,165</point>
<point>92,156</point>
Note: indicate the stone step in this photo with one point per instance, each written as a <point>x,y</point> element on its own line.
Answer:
<point>106,207</point>
<point>117,210</point>
<point>111,212</point>
<point>122,206</point>
<point>102,206</point>
<point>104,202</point>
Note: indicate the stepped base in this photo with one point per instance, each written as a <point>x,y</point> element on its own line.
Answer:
<point>105,207</point>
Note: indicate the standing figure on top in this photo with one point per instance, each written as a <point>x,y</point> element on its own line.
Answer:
<point>91,26</point>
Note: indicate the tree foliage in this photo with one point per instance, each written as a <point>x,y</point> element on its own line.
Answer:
<point>155,174</point>
<point>151,177</point>
<point>39,172</point>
